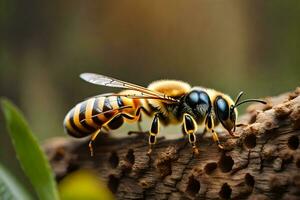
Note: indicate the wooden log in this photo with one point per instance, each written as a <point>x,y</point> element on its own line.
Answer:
<point>263,163</point>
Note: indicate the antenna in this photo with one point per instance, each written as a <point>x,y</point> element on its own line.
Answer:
<point>250,100</point>
<point>237,103</point>
<point>238,97</point>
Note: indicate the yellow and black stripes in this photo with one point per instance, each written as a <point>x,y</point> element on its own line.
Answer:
<point>96,119</point>
<point>110,111</point>
<point>82,116</point>
<point>70,126</point>
<point>75,123</point>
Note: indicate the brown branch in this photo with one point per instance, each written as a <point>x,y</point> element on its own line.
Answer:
<point>263,163</point>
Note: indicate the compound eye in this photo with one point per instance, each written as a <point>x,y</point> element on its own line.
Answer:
<point>193,98</point>
<point>197,98</point>
<point>222,109</point>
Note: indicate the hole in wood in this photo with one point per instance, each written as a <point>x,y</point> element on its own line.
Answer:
<point>130,156</point>
<point>249,180</point>
<point>164,168</point>
<point>250,141</point>
<point>293,142</point>
<point>225,191</point>
<point>193,186</point>
<point>210,167</point>
<point>114,159</point>
<point>113,183</point>
<point>225,163</point>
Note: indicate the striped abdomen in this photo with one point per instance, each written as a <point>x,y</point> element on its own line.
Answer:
<point>93,114</point>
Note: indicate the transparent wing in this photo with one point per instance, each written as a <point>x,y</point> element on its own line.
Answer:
<point>132,96</point>
<point>99,79</point>
<point>112,82</point>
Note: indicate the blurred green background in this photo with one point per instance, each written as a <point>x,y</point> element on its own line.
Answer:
<point>231,46</point>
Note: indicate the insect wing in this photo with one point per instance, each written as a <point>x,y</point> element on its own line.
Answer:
<point>112,82</point>
<point>99,79</point>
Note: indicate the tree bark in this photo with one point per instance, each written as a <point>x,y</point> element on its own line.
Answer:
<point>262,163</point>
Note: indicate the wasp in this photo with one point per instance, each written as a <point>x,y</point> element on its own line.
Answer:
<point>166,101</point>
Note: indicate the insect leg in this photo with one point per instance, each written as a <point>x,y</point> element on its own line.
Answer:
<point>190,127</point>
<point>153,133</point>
<point>127,116</point>
<point>106,129</point>
<point>139,124</point>
<point>138,114</point>
<point>118,120</point>
<point>209,124</point>
<point>94,135</point>
<point>138,111</point>
<point>114,123</point>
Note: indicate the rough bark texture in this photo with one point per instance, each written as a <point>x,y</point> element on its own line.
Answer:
<point>263,163</point>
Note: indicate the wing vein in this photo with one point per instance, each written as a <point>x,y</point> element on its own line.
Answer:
<point>112,82</point>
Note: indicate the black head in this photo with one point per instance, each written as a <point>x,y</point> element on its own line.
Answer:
<point>199,102</point>
<point>196,97</point>
<point>226,110</point>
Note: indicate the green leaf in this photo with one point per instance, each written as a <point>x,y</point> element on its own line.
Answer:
<point>31,157</point>
<point>82,185</point>
<point>10,189</point>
